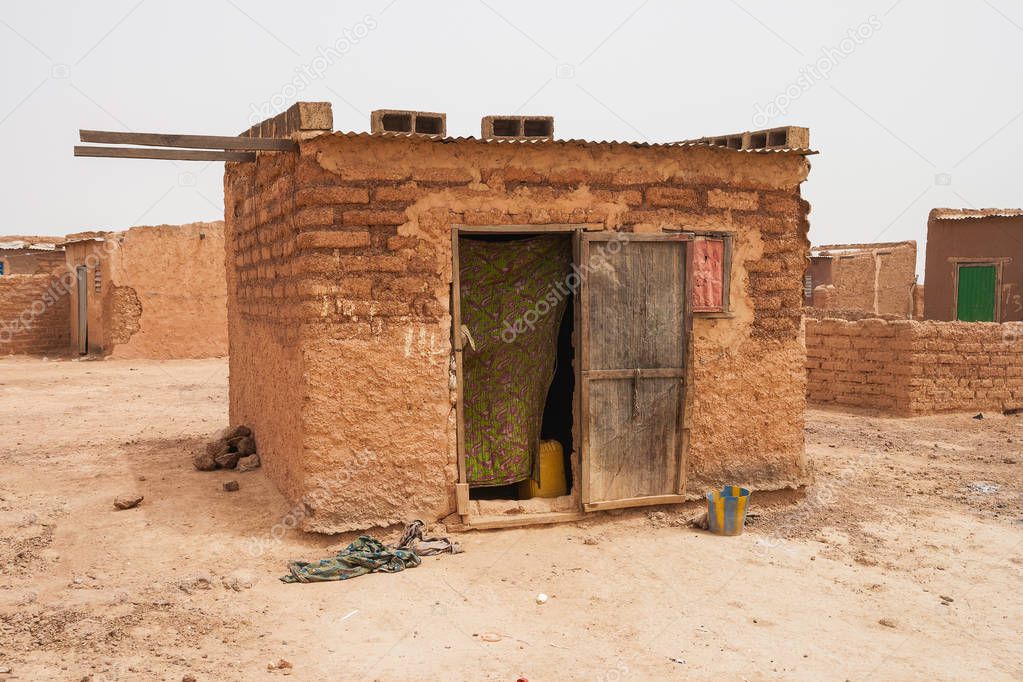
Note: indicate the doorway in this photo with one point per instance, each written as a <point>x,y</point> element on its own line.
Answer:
<point>976,292</point>
<point>82,279</point>
<point>518,386</point>
<point>588,337</point>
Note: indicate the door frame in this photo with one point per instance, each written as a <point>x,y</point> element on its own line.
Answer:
<point>82,306</point>
<point>998,264</point>
<point>585,375</point>
<point>580,252</point>
<point>462,506</point>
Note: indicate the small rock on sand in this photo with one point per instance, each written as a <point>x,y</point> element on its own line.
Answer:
<point>245,446</point>
<point>887,622</point>
<point>231,486</point>
<point>199,581</point>
<point>238,581</point>
<point>248,463</point>
<point>127,501</point>
<point>204,461</point>
<point>227,460</point>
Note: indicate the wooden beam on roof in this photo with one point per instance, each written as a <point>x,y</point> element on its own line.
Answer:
<point>167,154</point>
<point>271,144</point>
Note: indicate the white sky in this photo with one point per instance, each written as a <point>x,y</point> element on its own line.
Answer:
<point>925,111</point>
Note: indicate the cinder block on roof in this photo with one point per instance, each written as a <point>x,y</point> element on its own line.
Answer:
<point>409,122</point>
<point>518,127</point>
<point>788,137</point>
<point>301,118</point>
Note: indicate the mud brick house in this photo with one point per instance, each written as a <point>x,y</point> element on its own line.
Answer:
<point>148,292</point>
<point>34,307</point>
<point>974,266</point>
<point>30,255</point>
<point>410,314</point>
<point>875,278</point>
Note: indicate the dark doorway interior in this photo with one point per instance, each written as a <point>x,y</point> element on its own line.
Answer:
<point>558,414</point>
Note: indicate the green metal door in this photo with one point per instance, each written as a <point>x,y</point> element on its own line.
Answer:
<point>975,300</point>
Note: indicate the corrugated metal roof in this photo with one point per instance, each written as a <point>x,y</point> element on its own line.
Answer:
<point>575,142</point>
<point>31,246</point>
<point>964,213</point>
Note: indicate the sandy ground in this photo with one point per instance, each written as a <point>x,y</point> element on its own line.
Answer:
<point>913,522</point>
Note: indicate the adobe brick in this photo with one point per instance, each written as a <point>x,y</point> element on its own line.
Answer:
<point>448,175</point>
<point>398,243</point>
<point>393,173</point>
<point>512,174</point>
<point>314,217</point>
<point>373,217</point>
<point>780,203</point>
<point>333,239</point>
<point>372,263</point>
<point>312,196</point>
<point>737,201</point>
<point>568,176</point>
<point>674,197</point>
<point>491,217</point>
<point>408,192</point>
<point>635,176</point>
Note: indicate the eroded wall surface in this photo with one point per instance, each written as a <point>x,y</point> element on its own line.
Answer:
<point>908,367</point>
<point>153,292</point>
<point>347,245</point>
<point>168,293</point>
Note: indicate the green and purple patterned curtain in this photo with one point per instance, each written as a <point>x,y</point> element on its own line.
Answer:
<point>514,295</point>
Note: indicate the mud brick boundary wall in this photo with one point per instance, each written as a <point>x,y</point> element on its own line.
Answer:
<point>909,367</point>
<point>35,315</point>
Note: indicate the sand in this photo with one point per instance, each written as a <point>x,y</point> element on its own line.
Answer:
<point>903,560</point>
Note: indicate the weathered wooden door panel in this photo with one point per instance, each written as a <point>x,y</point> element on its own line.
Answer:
<point>81,274</point>
<point>635,438</point>
<point>634,309</point>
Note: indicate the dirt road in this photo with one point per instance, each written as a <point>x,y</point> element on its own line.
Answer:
<point>903,561</point>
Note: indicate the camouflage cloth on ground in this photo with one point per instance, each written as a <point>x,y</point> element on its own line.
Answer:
<point>369,555</point>
<point>365,555</point>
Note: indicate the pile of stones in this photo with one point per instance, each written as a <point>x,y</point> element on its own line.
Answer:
<point>230,448</point>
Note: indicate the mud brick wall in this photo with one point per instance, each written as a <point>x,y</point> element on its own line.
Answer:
<point>265,312</point>
<point>154,291</point>
<point>339,282</point>
<point>34,314</point>
<point>912,367</point>
<point>875,278</point>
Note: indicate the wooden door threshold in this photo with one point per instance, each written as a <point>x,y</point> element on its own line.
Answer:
<point>516,520</point>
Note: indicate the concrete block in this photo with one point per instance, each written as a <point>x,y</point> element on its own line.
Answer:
<point>517,127</point>
<point>409,122</point>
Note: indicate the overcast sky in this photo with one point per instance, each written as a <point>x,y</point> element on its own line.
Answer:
<point>912,103</point>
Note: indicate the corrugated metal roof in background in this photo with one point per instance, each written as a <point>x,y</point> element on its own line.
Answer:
<point>31,246</point>
<point>575,142</point>
<point>964,213</point>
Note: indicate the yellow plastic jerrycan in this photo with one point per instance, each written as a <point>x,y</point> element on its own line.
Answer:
<point>552,473</point>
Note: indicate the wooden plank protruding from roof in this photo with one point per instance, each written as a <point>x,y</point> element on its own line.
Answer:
<point>167,154</point>
<point>189,141</point>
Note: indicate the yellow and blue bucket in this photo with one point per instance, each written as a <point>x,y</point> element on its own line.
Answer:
<point>726,510</point>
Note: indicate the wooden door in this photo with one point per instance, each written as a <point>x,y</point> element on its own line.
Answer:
<point>81,274</point>
<point>635,324</point>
